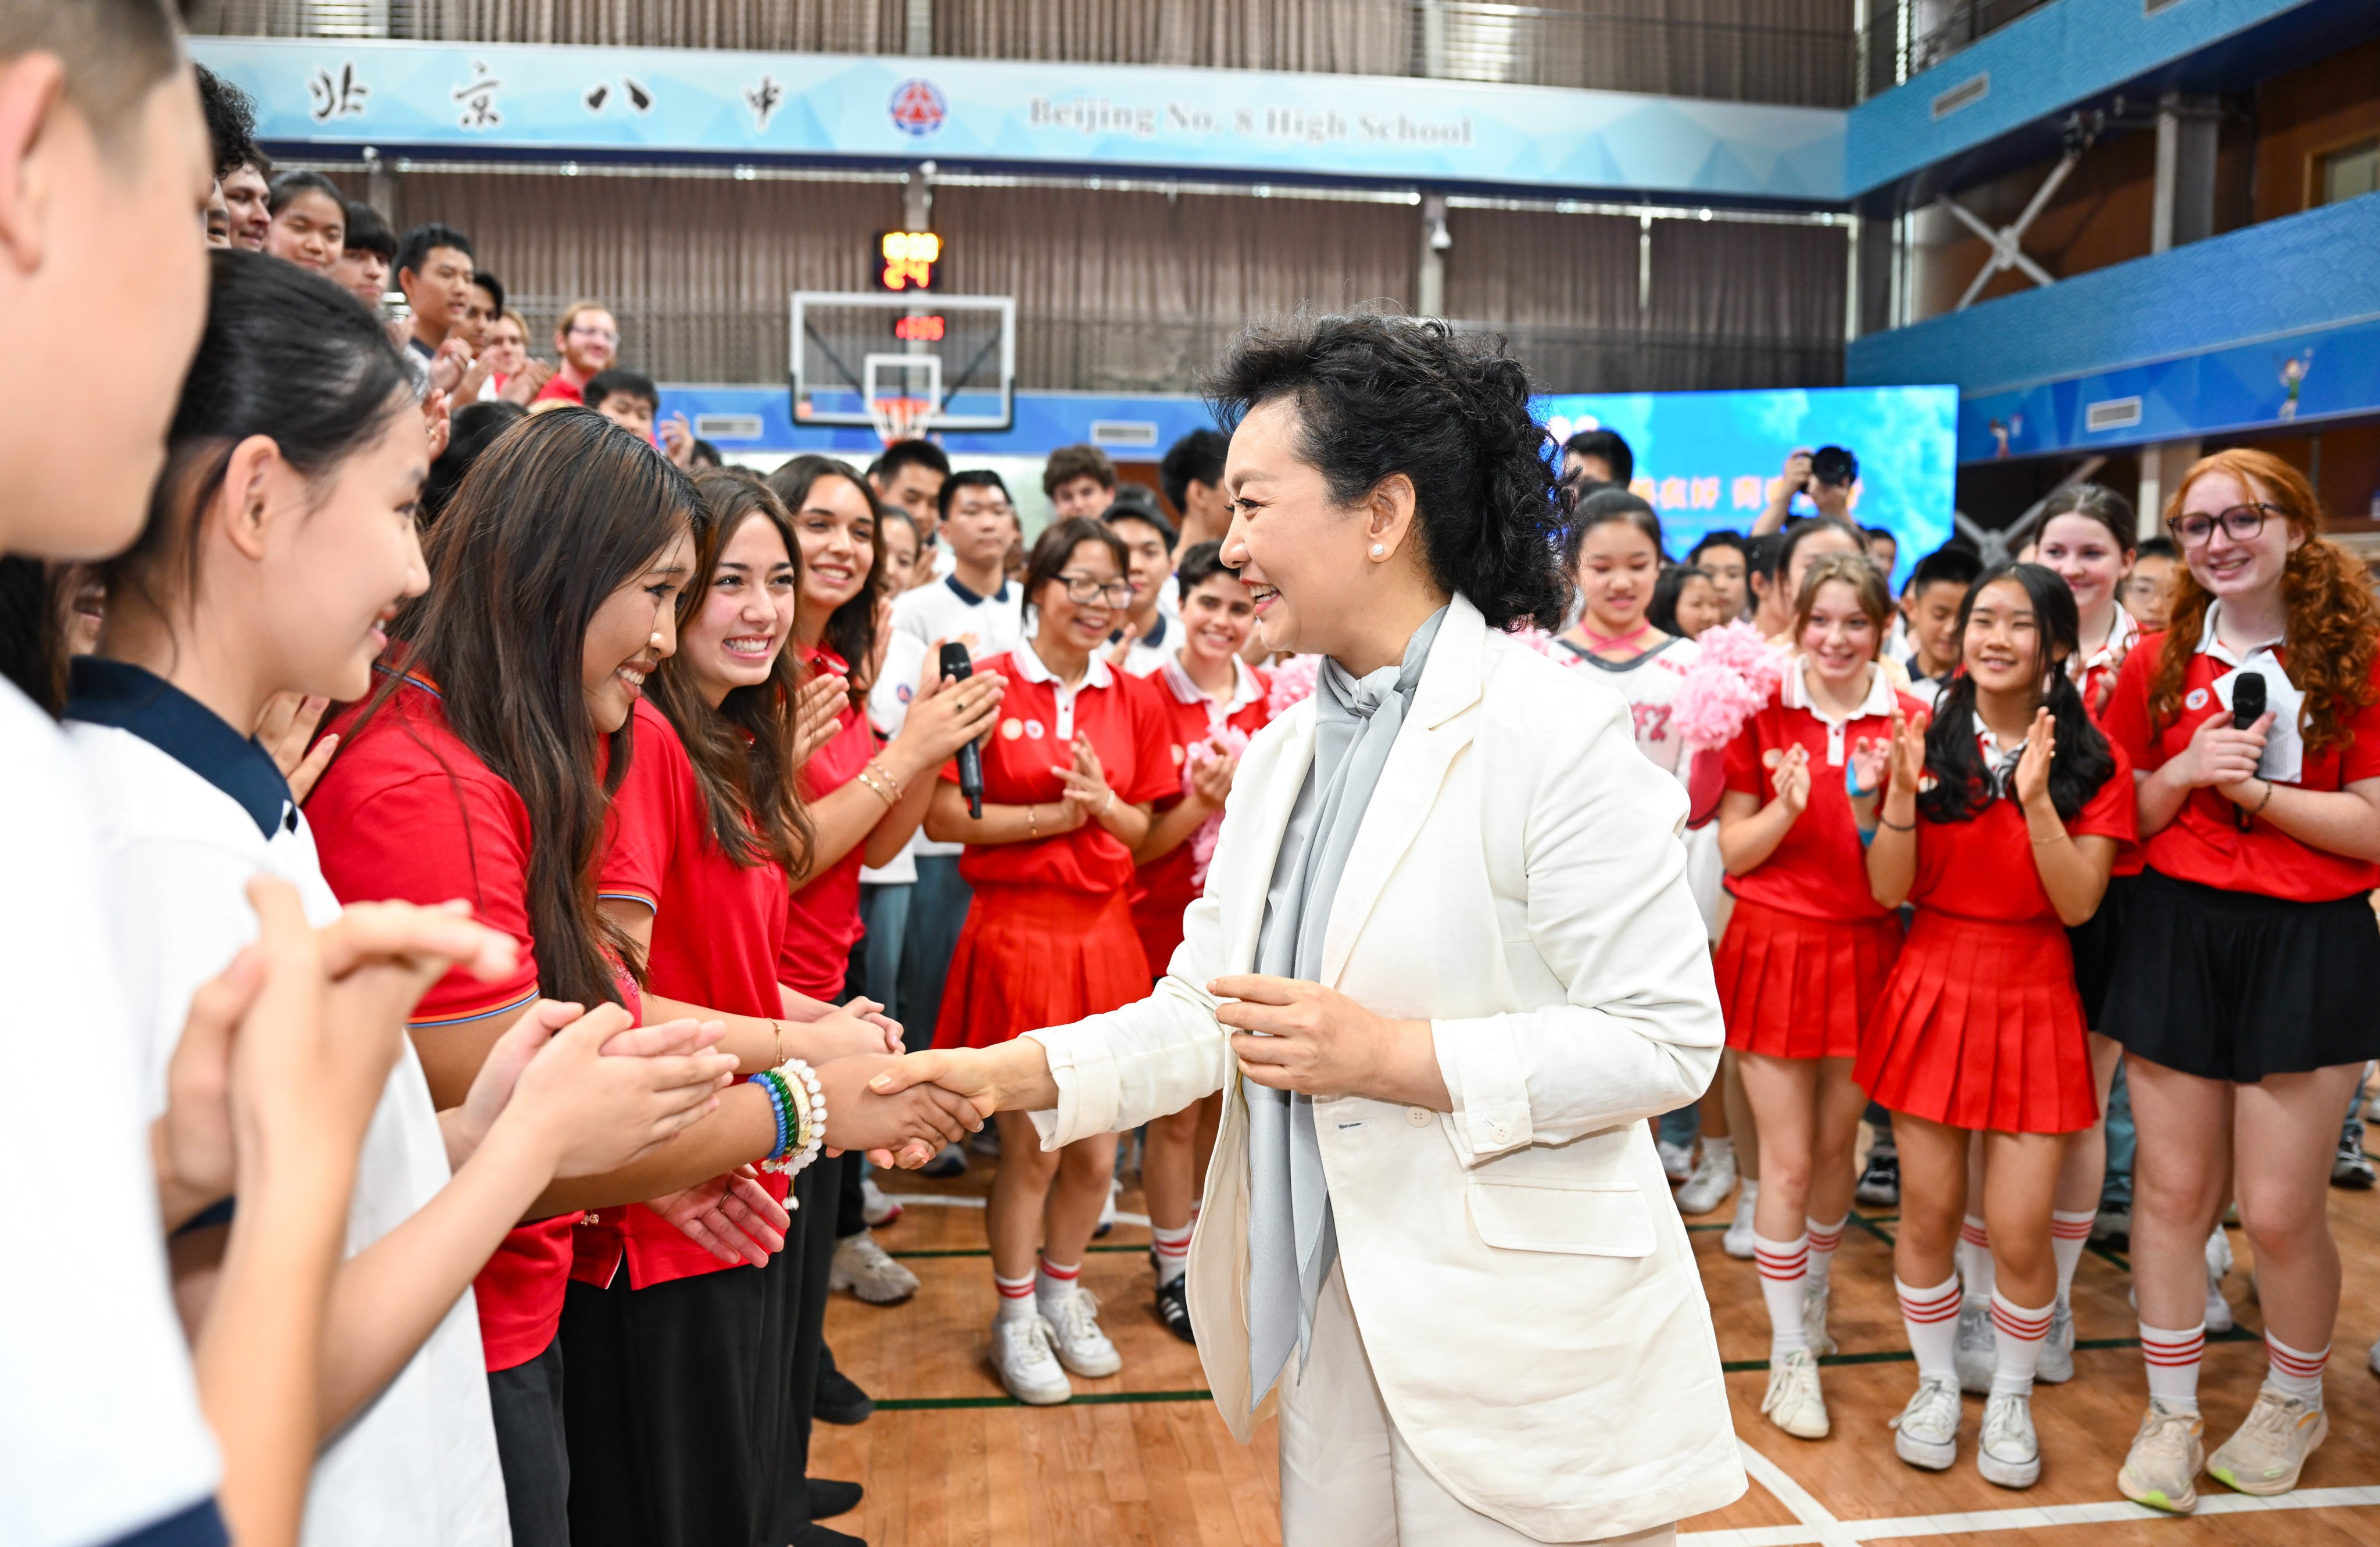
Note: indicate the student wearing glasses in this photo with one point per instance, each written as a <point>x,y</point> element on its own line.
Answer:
<point>1070,775</point>
<point>2247,989</point>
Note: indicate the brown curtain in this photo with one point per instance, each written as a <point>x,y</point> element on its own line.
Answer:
<point>1742,305</point>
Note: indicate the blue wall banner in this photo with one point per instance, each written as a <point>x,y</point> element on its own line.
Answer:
<point>514,100</point>
<point>1706,460</point>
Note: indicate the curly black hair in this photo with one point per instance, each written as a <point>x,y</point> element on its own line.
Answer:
<point>231,121</point>
<point>2081,762</point>
<point>1377,395</point>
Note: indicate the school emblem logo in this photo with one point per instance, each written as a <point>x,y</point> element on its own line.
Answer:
<point>918,109</point>
<point>1033,729</point>
<point>2194,699</point>
<point>1012,729</point>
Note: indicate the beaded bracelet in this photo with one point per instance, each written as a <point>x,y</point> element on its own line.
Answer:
<point>800,1107</point>
<point>779,1107</point>
<point>809,1097</point>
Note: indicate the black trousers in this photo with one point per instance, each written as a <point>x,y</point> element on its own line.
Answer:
<point>689,1402</point>
<point>528,1402</point>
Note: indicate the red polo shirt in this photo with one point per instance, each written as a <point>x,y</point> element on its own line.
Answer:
<point>1819,868</point>
<point>1165,886</point>
<point>562,387</point>
<point>824,923</point>
<point>407,812</point>
<point>718,927</point>
<point>1038,724</point>
<point>1983,869</point>
<point>2203,843</point>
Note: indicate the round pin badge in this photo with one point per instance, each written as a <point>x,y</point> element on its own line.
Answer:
<point>1012,729</point>
<point>2194,699</point>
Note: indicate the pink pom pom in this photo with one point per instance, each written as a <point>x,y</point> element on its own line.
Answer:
<point>1293,683</point>
<point>1731,678</point>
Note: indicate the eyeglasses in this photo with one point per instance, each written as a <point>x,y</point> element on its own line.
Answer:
<point>2241,523</point>
<point>583,331</point>
<point>1081,591</point>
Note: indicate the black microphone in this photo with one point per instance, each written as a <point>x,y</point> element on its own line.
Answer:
<point>2247,699</point>
<point>2247,708</point>
<point>956,665</point>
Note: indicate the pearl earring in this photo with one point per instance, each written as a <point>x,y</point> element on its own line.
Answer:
<point>1378,548</point>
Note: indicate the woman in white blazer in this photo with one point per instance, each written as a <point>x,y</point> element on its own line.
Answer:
<point>1446,965</point>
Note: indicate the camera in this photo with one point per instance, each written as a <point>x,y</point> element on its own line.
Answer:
<point>1833,466</point>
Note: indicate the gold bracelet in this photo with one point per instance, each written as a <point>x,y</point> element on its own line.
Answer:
<point>1032,824</point>
<point>889,799</point>
<point>886,774</point>
<point>777,1030</point>
<point>2054,837</point>
<point>2268,800</point>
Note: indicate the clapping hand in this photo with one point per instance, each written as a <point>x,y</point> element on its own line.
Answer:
<point>283,730</point>
<point>592,1091</point>
<point>1788,777</point>
<point>1210,782</point>
<point>817,713</point>
<point>2033,764</point>
<point>1908,750</point>
<point>1087,795</point>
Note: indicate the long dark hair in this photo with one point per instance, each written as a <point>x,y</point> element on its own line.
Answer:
<point>1380,396</point>
<point>561,512</point>
<point>286,354</point>
<point>1610,503</point>
<point>1963,786</point>
<point>851,630</point>
<point>743,751</point>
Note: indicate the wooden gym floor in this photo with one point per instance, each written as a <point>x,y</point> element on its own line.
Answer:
<point>1141,1459</point>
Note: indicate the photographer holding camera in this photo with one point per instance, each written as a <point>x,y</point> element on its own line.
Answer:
<point>1825,475</point>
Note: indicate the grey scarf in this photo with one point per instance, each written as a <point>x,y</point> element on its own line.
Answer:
<point>1292,1241</point>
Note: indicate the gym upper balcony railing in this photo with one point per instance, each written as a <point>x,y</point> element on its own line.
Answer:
<point>1798,51</point>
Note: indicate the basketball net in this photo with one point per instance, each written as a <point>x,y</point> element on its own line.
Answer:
<point>901,418</point>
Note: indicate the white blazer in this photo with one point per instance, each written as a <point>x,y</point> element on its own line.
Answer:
<point>1517,1268</point>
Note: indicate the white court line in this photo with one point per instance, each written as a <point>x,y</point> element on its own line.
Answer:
<point>1819,1528</point>
<point>960,1200</point>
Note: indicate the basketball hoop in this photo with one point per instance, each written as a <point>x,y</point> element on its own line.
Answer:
<point>901,418</point>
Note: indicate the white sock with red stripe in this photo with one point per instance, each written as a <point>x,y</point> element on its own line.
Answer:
<point>1931,1319</point>
<point>1975,1259</point>
<point>1823,1239</point>
<point>2069,1234</point>
<point>1172,1248</point>
<point>2016,1336</point>
<point>1784,1278</point>
<point>1016,1296</point>
<point>2172,1355</point>
<point>2294,1372</point>
<point>1054,1283</point>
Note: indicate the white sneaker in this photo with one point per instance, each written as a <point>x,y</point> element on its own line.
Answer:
<point>2218,1262</point>
<point>2264,1455</point>
<point>1926,1432</point>
<point>1977,1354</point>
<point>2057,1366</point>
<point>2009,1455</point>
<point>1815,1294</point>
<point>865,1269</point>
<point>1737,1242</point>
<point>1072,1319</point>
<point>874,1206</point>
<point>1714,1177</point>
<point>2161,1469</point>
<point>1794,1403</point>
<point>1677,1160</point>
<point>1027,1358</point>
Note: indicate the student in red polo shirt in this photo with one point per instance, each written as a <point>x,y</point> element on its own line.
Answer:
<point>1805,952</point>
<point>1069,781</point>
<point>480,773</point>
<point>686,1371</point>
<point>2002,825</point>
<point>2247,989</point>
<point>1210,702</point>
<point>865,802</point>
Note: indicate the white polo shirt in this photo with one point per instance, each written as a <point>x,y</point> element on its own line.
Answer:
<point>188,811</point>
<point>945,611</point>
<point>888,710</point>
<point>100,1429</point>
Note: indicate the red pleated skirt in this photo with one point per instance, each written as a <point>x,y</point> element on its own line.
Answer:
<point>1031,956</point>
<point>1797,987</point>
<point>1980,1027</point>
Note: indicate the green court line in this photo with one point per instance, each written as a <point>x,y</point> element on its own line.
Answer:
<point>1874,1226</point>
<point>946,1404</point>
<point>984,1251</point>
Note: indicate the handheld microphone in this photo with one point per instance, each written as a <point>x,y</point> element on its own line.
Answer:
<point>2247,699</point>
<point>955,663</point>
<point>2247,708</point>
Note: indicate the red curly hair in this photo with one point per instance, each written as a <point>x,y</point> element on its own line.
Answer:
<point>2333,627</point>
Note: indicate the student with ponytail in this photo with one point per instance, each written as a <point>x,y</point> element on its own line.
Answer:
<point>482,768</point>
<point>281,533</point>
<point>2246,991</point>
<point>1805,955</point>
<point>1999,819</point>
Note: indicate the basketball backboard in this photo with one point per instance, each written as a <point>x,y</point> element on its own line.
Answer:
<point>903,364</point>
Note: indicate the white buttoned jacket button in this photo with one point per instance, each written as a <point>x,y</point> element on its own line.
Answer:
<point>1418,1116</point>
<point>1504,1132</point>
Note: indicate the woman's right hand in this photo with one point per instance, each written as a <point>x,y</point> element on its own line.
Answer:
<point>910,1126</point>
<point>817,712</point>
<point>1909,751</point>
<point>2219,755</point>
<point>595,1099</point>
<point>1789,778</point>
